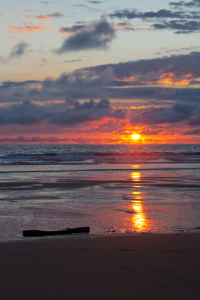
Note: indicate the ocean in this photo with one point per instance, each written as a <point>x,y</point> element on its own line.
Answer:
<point>113,189</point>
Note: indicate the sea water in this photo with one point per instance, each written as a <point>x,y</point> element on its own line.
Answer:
<point>110,188</point>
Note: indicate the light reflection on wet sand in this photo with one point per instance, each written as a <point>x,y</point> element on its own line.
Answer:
<point>109,202</point>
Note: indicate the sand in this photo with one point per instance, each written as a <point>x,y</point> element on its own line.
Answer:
<point>136,266</point>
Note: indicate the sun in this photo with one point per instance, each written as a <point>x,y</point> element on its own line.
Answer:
<point>135,136</point>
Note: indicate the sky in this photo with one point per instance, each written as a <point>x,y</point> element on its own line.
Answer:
<point>97,72</point>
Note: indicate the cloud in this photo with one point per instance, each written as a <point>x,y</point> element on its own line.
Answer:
<point>195,120</point>
<point>192,132</point>
<point>47,17</point>
<point>158,79</point>
<point>72,60</point>
<point>180,26</point>
<point>148,132</point>
<point>98,36</point>
<point>89,111</point>
<point>34,139</point>
<point>172,70</point>
<point>27,28</point>
<point>28,113</point>
<point>18,50</point>
<point>154,116</point>
<point>194,3</point>
<point>133,14</point>
<point>177,4</point>
<point>124,26</point>
<point>183,20</point>
<point>8,84</point>
<point>72,29</point>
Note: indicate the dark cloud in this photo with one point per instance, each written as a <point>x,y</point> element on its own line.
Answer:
<point>150,132</point>
<point>26,113</point>
<point>179,26</point>
<point>98,36</point>
<point>7,84</point>
<point>183,20</point>
<point>192,132</point>
<point>18,50</point>
<point>154,94</point>
<point>72,29</point>
<point>194,3</point>
<point>29,113</point>
<point>34,139</point>
<point>89,111</point>
<point>133,14</point>
<point>178,113</point>
<point>177,4</point>
<point>78,85</point>
<point>195,120</point>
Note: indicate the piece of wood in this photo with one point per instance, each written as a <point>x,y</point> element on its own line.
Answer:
<point>34,233</point>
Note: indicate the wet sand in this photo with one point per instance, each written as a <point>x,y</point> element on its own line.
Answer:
<point>135,266</point>
<point>107,203</point>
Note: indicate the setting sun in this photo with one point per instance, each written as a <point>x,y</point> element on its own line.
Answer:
<point>135,136</point>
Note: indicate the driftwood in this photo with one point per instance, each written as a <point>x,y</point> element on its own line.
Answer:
<point>31,233</point>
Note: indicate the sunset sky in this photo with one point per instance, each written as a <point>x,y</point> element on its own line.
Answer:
<point>97,72</point>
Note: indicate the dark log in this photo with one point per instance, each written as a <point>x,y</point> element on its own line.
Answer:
<point>34,233</point>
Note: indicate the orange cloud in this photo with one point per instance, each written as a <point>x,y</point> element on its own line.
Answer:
<point>170,78</point>
<point>38,17</point>
<point>120,26</point>
<point>25,23</point>
<point>14,37</point>
<point>47,17</point>
<point>28,28</point>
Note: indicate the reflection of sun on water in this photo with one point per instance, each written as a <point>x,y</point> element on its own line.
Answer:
<point>137,207</point>
<point>139,218</point>
<point>136,176</point>
<point>136,166</point>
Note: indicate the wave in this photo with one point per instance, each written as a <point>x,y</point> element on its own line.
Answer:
<point>107,154</point>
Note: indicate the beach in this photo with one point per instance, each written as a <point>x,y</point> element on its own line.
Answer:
<point>135,266</point>
<point>141,204</point>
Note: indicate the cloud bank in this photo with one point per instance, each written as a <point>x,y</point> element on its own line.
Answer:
<point>150,79</point>
<point>29,113</point>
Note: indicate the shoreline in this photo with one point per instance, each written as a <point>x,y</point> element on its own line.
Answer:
<point>96,236</point>
<point>148,266</point>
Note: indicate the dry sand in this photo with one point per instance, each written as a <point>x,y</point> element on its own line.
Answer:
<point>138,266</point>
